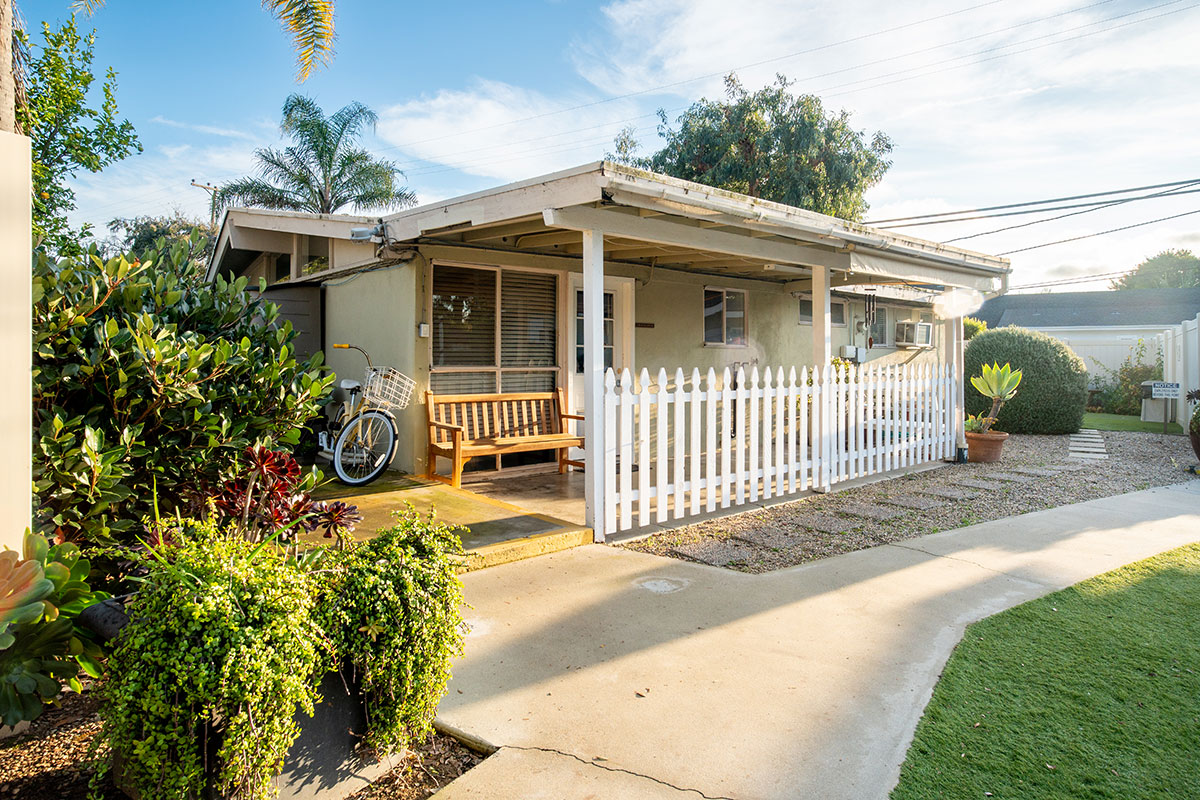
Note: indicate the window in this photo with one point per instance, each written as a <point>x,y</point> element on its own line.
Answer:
<point>493,330</point>
<point>925,316</point>
<point>725,317</point>
<point>837,312</point>
<point>879,328</point>
<point>609,328</point>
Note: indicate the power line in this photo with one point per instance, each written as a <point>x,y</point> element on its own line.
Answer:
<point>653,89</point>
<point>1157,195</point>
<point>816,75</point>
<point>879,222</point>
<point>1003,47</point>
<point>1079,279</point>
<point>1100,233</point>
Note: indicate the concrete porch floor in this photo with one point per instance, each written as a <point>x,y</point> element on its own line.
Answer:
<point>494,531</point>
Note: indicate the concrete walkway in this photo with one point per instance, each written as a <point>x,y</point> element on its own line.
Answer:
<point>602,673</point>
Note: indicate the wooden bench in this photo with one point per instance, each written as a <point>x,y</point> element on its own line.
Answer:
<point>462,426</point>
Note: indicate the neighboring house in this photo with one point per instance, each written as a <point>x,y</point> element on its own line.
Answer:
<point>547,283</point>
<point>1102,327</point>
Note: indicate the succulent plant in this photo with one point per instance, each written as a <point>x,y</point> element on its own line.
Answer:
<point>41,594</point>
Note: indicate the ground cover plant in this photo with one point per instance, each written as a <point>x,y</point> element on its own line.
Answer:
<point>1091,692</point>
<point>1122,422</point>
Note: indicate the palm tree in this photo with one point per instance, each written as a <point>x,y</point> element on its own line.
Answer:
<point>310,22</point>
<point>323,170</point>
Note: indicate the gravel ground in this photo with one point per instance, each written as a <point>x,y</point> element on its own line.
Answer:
<point>822,525</point>
<point>51,760</point>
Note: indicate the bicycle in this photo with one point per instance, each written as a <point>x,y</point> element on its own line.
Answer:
<point>365,427</point>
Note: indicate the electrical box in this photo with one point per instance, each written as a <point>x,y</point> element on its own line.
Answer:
<point>911,334</point>
<point>852,353</point>
<point>423,330</point>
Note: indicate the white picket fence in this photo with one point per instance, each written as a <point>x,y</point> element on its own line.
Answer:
<point>683,445</point>
<point>1180,346</point>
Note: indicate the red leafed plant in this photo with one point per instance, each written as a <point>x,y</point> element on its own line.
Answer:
<point>272,500</point>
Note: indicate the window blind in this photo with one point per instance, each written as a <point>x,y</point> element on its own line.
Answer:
<point>528,319</point>
<point>464,317</point>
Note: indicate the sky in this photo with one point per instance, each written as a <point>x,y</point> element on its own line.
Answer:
<point>987,102</point>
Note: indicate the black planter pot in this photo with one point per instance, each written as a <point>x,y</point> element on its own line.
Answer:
<point>323,763</point>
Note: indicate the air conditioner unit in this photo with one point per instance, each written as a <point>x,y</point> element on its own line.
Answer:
<point>911,334</point>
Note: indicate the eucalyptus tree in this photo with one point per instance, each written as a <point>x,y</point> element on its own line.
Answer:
<point>772,144</point>
<point>323,170</point>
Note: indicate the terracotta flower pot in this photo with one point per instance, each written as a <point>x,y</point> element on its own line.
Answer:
<point>984,448</point>
<point>1195,437</point>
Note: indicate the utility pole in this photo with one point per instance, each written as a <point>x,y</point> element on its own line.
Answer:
<point>212,203</point>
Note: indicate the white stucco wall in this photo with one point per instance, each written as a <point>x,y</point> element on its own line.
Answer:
<point>381,310</point>
<point>16,344</point>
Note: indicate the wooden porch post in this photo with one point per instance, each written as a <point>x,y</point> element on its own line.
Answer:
<point>822,354</point>
<point>955,349</point>
<point>822,334</point>
<point>593,381</point>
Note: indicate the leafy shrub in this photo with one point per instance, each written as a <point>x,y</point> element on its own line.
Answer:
<point>220,645</point>
<point>1194,426</point>
<point>1121,389</point>
<point>148,380</point>
<point>41,595</point>
<point>972,327</point>
<point>228,640</point>
<point>393,612</point>
<point>1054,389</point>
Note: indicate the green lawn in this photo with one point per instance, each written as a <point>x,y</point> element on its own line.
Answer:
<point>1120,422</point>
<point>1092,692</point>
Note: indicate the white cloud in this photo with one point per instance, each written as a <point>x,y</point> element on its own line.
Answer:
<point>499,131</point>
<point>157,182</point>
<point>229,133</point>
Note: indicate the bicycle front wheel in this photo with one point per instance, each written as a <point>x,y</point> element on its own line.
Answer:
<point>364,448</point>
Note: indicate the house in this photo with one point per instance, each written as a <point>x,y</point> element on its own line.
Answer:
<point>1103,328</point>
<point>671,314</point>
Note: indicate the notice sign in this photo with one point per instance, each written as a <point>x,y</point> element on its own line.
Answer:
<point>1163,390</point>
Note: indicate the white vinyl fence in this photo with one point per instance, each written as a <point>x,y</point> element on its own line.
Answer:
<point>1180,346</point>
<point>681,445</point>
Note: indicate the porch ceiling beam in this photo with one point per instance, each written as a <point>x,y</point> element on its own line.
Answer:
<point>531,225</point>
<point>550,239</point>
<point>691,236</point>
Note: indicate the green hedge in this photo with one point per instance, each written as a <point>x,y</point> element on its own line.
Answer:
<point>1053,391</point>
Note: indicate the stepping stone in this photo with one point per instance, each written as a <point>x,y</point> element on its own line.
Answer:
<point>1088,455</point>
<point>870,511</point>
<point>1041,473</point>
<point>1068,467</point>
<point>914,501</point>
<point>825,522</point>
<point>718,552</point>
<point>1089,430</point>
<point>975,483</point>
<point>1008,476</point>
<point>948,492</point>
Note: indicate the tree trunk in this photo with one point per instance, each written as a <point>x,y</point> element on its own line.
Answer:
<point>8,81</point>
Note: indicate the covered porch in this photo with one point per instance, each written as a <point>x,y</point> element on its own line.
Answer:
<point>681,437</point>
<point>692,328</point>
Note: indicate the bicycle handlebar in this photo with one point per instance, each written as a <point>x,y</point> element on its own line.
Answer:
<point>354,347</point>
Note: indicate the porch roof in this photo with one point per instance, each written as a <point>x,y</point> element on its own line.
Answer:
<point>647,219</point>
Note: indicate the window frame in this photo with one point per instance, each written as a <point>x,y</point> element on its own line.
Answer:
<point>832,302</point>
<point>888,328</point>
<point>725,290</point>
<point>496,367</point>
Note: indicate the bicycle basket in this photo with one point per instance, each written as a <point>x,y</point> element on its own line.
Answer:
<point>388,387</point>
